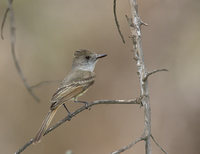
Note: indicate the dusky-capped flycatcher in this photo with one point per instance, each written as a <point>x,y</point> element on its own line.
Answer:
<point>78,80</point>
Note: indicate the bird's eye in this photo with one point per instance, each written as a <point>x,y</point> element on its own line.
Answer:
<point>87,57</point>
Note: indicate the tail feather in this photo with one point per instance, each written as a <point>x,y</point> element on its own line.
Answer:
<point>44,126</point>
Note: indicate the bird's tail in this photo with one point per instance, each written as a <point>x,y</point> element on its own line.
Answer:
<point>44,126</point>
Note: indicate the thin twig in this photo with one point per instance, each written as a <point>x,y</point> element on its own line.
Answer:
<point>153,72</point>
<point>128,146</point>
<point>4,20</point>
<point>158,144</point>
<point>69,117</point>
<point>43,82</point>
<point>12,42</point>
<point>116,21</point>
<point>25,146</point>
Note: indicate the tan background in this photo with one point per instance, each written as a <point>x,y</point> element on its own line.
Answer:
<point>48,32</point>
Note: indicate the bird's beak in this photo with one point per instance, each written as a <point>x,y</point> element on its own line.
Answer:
<point>101,55</point>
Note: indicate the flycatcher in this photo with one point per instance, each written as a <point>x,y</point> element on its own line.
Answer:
<point>78,80</point>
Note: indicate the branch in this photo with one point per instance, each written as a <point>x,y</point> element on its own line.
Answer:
<point>12,43</point>
<point>153,72</point>
<point>128,146</point>
<point>69,117</point>
<point>116,21</point>
<point>135,26</point>
<point>158,145</point>
<point>135,23</point>
<point>13,40</point>
<point>43,82</point>
<point>4,20</point>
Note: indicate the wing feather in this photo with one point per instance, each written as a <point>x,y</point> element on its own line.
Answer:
<point>67,92</point>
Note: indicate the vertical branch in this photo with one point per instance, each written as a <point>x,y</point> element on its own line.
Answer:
<point>12,42</point>
<point>135,24</point>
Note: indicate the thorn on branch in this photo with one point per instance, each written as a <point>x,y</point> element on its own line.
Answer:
<point>143,23</point>
<point>136,56</point>
<point>158,144</point>
<point>153,72</point>
<point>116,21</point>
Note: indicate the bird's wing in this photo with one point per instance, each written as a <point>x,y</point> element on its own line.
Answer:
<point>69,91</point>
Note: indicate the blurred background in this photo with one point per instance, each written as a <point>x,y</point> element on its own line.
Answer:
<point>49,31</point>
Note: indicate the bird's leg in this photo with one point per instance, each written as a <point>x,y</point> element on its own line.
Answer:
<point>83,102</point>
<point>69,113</point>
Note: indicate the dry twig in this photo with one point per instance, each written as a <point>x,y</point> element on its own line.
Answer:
<point>12,43</point>
<point>153,72</point>
<point>154,140</point>
<point>44,82</point>
<point>128,146</point>
<point>116,21</point>
<point>4,19</point>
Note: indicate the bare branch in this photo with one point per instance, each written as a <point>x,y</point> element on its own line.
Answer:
<point>153,72</point>
<point>44,82</point>
<point>135,24</point>
<point>25,146</point>
<point>69,117</point>
<point>4,20</point>
<point>12,42</point>
<point>116,21</point>
<point>128,146</point>
<point>158,144</point>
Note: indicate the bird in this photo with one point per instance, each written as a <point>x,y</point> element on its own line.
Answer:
<point>75,84</point>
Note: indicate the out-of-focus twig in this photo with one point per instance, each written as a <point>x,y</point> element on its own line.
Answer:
<point>44,82</point>
<point>116,21</point>
<point>69,117</point>
<point>12,42</point>
<point>4,20</point>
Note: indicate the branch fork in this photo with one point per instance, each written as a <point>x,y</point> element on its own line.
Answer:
<point>142,138</point>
